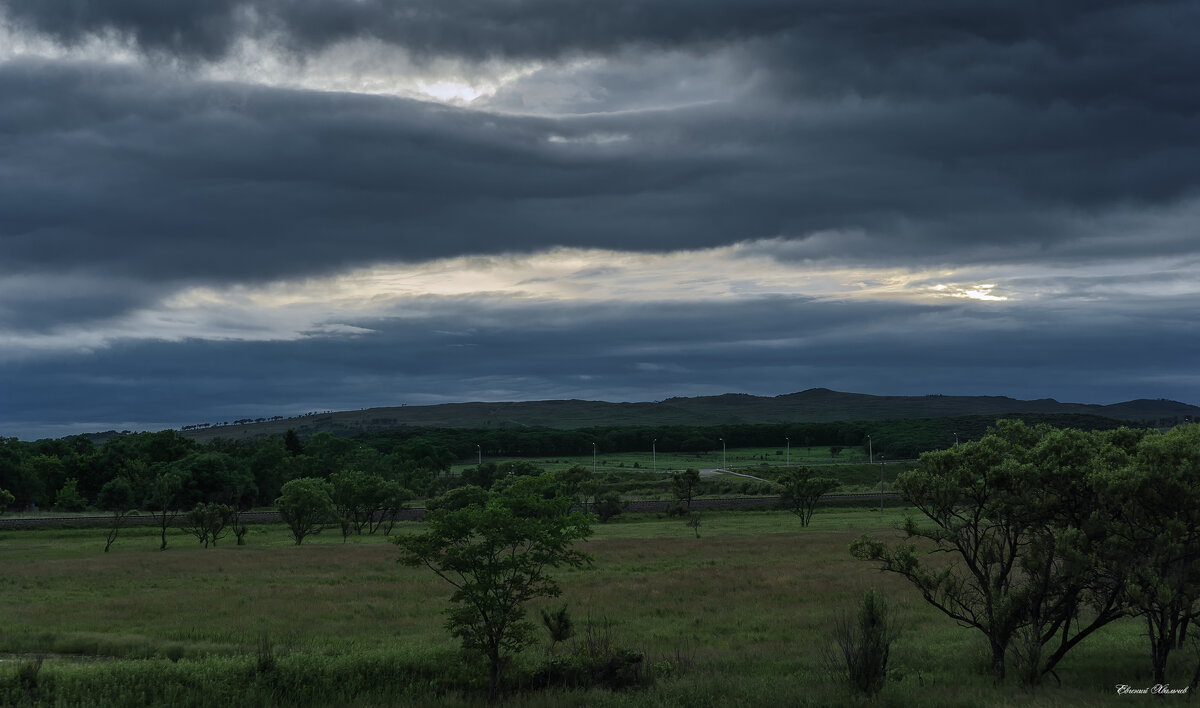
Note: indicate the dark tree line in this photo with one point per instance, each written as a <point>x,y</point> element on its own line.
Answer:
<point>903,438</point>
<point>168,471</point>
<point>69,473</point>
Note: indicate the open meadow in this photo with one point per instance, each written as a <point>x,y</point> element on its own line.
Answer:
<point>741,615</point>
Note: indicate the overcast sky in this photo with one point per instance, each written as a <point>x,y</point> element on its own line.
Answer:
<point>215,209</point>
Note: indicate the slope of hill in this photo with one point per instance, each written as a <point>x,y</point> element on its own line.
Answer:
<point>813,405</point>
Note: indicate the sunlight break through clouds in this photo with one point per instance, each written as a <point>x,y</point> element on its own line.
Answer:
<point>344,305</point>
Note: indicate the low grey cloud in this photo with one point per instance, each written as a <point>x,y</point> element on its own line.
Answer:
<point>770,346</point>
<point>143,176</point>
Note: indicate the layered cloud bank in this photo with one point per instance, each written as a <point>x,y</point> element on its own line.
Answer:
<point>295,205</point>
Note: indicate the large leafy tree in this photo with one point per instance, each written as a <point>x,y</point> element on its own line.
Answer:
<point>1157,517</point>
<point>801,491</point>
<point>496,549</point>
<point>355,497</point>
<point>1013,541</point>
<point>214,477</point>
<point>305,506</point>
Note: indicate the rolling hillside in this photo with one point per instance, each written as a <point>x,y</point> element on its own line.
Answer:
<point>813,405</point>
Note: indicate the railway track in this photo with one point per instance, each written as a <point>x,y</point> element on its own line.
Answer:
<point>417,514</point>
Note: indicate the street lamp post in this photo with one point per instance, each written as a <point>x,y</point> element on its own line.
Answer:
<point>789,452</point>
<point>479,451</point>
<point>882,464</point>
<point>654,454</point>
<point>870,449</point>
<point>723,463</point>
<point>593,459</point>
<point>956,440</point>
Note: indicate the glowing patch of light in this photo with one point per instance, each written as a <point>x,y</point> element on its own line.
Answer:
<point>339,305</point>
<point>979,291</point>
<point>451,91</point>
<point>590,139</point>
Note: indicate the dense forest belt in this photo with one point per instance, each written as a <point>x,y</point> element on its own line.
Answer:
<point>417,514</point>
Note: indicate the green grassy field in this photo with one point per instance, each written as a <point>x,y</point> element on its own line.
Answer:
<point>738,617</point>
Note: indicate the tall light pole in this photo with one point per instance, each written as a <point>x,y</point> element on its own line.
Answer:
<point>870,449</point>
<point>593,459</point>
<point>723,465</point>
<point>956,440</point>
<point>882,464</point>
<point>654,454</point>
<point>479,451</point>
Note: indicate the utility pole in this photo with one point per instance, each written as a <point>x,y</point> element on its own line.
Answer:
<point>789,452</point>
<point>882,464</point>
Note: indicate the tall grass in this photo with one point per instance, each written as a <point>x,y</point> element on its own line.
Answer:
<point>741,616</point>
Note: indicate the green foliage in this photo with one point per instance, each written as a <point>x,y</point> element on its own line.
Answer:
<point>116,496</point>
<point>291,441</point>
<point>1157,523</point>
<point>497,554</point>
<point>864,643</point>
<point>162,502</point>
<point>802,491</point>
<point>209,522</point>
<point>609,505</point>
<point>579,482</point>
<point>306,505</point>
<point>69,498</point>
<point>596,661</point>
<point>214,477</point>
<point>6,500</point>
<point>1022,540</point>
<point>558,624</point>
<point>684,484</point>
<point>366,501</point>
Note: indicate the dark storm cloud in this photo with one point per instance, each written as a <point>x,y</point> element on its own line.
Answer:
<point>1087,51</point>
<point>121,171</point>
<point>926,126</point>
<point>630,353</point>
<point>1059,136</point>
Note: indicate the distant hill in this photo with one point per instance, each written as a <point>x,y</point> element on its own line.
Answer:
<point>813,405</point>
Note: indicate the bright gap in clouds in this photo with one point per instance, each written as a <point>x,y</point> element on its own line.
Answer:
<point>344,304</point>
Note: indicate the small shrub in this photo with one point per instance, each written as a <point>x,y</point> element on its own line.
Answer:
<point>596,661</point>
<point>1025,656</point>
<point>608,506</point>
<point>864,643</point>
<point>559,625</point>
<point>265,655</point>
<point>27,679</point>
